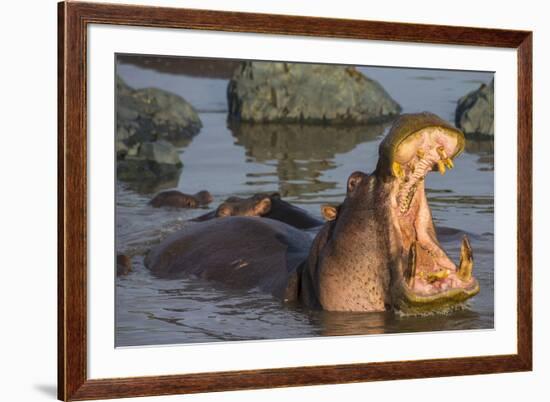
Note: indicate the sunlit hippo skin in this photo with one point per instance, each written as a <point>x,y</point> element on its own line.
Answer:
<point>266,205</point>
<point>177,199</point>
<point>378,251</point>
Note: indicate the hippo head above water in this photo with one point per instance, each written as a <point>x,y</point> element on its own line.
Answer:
<point>380,248</point>
<point>177,199</point>
<point>266,205</point>
<point>258,205</point>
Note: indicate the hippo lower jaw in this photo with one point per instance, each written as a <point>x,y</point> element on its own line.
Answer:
<point>424,290</point>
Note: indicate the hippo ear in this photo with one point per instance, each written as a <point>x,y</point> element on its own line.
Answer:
<point>354,179</point>
<point>329,212</point>
<point>263,206</point>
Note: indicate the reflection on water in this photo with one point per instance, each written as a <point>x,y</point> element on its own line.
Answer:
<point>299,154</point>
<point>151,186</point>
<point>309,165</point>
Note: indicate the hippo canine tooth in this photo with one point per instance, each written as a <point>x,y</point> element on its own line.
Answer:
<point>411,266</point>
<point>397,170</point>
<point>441,167</point>
<point>441,152</point>
<point>466,264</point>
<point>445,160</point>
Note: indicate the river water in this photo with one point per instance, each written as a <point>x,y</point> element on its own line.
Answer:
<point>309,167</point>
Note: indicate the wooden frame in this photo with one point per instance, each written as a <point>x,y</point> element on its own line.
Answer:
<point>73,383</point>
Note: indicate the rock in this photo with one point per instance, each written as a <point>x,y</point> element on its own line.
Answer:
<point>150,124</point>
<point>149,160</point>
<point>151,114</point>
<point>475,111</point>
<point>161,152</point>
<point>306,93</point>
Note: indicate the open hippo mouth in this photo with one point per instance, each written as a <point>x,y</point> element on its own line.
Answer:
<point>417,145</point>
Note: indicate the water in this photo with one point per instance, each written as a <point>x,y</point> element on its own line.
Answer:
<point>309,167</point>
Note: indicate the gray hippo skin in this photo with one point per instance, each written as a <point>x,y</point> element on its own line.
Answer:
<point>240,252</point>
<point>380,250</point>
<point>267,205</point>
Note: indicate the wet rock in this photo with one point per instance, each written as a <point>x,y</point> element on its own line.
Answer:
<point>306,93</point>
<point>149,160</point>
<point>475,111</point>
<point>152,114</point>
<point>151,124</point>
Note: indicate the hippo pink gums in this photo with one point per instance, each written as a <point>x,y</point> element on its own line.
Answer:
<point>378,251</point>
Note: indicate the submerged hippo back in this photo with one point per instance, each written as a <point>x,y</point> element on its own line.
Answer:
<point>240,252</point>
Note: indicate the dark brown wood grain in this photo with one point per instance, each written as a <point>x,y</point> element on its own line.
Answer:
<point>72,202</point>
<point>73,382</point>
<point>525,202</point>
<point>60,203</point>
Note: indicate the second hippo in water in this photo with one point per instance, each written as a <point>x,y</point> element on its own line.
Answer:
<point>177,199</point>
<point>266,205</point>
<point>123,265</point>
<point>380,251</point>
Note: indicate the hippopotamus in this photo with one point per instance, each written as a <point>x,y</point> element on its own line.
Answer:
<point>267,205</point>
<point>123,265</point>
<point>380,251</point>
<point>177,199</point>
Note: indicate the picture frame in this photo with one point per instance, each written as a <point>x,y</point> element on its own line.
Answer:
<point>73,21</point>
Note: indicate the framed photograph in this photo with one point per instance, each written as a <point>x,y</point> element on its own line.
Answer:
<point>252,201</point>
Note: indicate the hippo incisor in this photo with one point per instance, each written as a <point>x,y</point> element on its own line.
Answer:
<point>379,251</point>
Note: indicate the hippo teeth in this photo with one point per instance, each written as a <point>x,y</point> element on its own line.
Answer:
<point>466,264</point>
<point>406,201</point>
<point>411,266</point>
<point>418,170</point>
